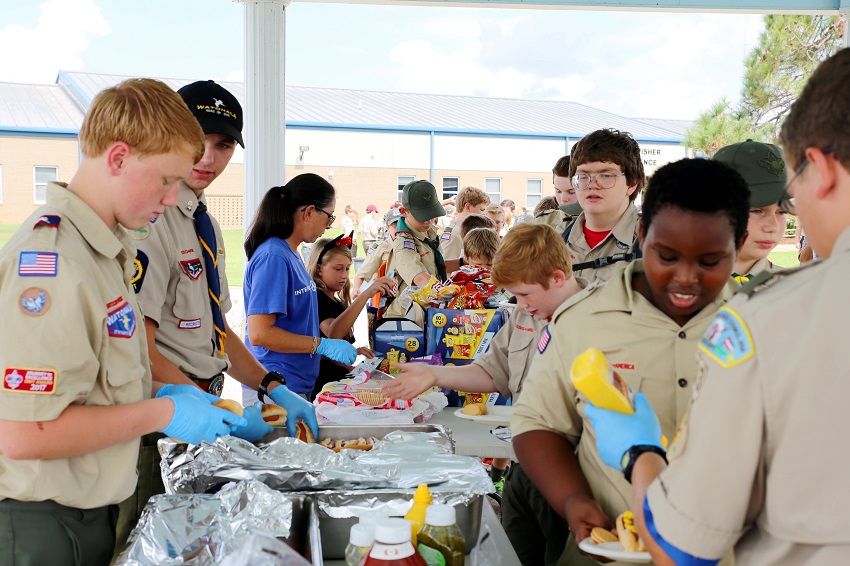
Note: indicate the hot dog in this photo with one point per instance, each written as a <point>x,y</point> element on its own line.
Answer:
<point>303,432</point>
<point>627,533</point>
<point>274,415</point>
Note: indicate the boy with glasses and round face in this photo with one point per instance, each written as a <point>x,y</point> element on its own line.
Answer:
<point>768,402</point>
<point>607,173</point>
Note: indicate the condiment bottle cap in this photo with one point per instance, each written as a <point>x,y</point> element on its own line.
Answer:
<point>440,515</point>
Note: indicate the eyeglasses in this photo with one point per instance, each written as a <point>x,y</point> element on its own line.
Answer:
<point>787,202</point>
<point>603,180</point>
<point>330,216</point>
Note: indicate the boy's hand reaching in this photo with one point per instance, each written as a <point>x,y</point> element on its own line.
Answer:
<point>584,514</point>
<point>413,380</point>
<point>382,285</point>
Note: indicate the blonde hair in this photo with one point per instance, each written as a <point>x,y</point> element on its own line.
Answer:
<point>344,294</point>
<point>472,196</point>
<point>146,115</point>
<point>529,240</point>
<point>481,243</point>
<point>495,210</point>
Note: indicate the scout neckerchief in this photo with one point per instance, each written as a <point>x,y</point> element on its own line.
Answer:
<point>206,236</point>
<point>435,247</point>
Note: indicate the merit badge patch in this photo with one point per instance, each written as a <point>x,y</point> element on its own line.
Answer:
<point>544,340</point>
<point>727,340</point>
<point>189,324</point>
<point>121,322</point>
<point>26,380</point>
<point>38,264</point>
<point>140,269</point>
<point>408,245</point>
<point>192,267</point>
<point>51,220</point>
<point>34,301</point>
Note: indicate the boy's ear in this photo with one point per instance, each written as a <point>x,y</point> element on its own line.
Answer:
<point>116,157</point>
<point>826,179</point>
<point>558,278</point>
<point>741,243</point>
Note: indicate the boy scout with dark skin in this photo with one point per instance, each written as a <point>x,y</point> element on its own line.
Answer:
<point>759,465</point>
<point>75,396</point>
<point>647,321</point>
<point>188,343</point>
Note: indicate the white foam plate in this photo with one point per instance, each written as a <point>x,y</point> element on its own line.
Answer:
<point>614,551</point>
<point>496,414</point>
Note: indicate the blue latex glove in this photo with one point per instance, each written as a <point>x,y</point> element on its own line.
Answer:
<point>616,432</point>
<point>186,389</point>
<point>196,419</point>
<point>256,427</point>
<point>338,350</point>
<point>297,407</point>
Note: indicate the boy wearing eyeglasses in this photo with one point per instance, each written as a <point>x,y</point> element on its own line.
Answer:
<point>760,464</point>
<point>607,174</point>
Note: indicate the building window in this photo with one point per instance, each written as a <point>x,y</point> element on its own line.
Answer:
<point>41,176</point>
<point>493,188</point>
<point>533,192</point>
<point>450,185</point>
<point>402,181</point>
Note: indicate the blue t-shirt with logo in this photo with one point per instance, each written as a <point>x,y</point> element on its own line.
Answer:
<point>276,282</point>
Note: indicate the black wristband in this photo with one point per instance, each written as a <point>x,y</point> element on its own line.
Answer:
<point>262,390</point>
<point>630,457</point>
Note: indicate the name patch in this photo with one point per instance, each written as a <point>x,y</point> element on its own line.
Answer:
<point>189,324</point>
<point>727,340</point>
<point>121,322</point>
<point>26,380</point>
<point>38,264</point>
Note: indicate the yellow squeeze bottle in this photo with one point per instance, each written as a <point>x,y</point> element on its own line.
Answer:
<point>592,375</point>
<point>416,515</point>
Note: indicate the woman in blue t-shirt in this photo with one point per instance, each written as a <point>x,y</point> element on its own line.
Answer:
<point>280,296</point>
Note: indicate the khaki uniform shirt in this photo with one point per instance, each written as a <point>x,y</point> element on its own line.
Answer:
<point>648,350</point>
<point>759,266</point>
<point>373,261</point>
<point>622,239</point>
<point>71,334</point>
<point>762,462</point>
<point>557,219</point>
<point>451,244</point>
<point>173,289</point>
<point>410,257</point>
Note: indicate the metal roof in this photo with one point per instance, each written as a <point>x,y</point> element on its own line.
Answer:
<point>31,107</point>
<point>341,108</point>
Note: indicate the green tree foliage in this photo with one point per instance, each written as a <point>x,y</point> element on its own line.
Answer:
<point>788,50</point>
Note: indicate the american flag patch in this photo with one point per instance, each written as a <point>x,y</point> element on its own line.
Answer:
<point>408,245</point>
<point>544,340</point>
<point>34,264</point>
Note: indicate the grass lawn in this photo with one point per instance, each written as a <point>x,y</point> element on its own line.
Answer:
<point>784,259</point>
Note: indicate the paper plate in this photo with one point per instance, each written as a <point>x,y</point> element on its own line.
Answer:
<point>496,414</point>
<point>614,551</point>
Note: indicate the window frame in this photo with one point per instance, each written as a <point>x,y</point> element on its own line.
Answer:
<point>36,183</point>
<point>539,195</point>
<point>401,185</point>
<point>498,198</point>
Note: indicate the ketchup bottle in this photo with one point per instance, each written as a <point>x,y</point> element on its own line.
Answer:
<point>393,546</point>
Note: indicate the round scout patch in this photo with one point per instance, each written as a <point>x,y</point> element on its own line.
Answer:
<point>727,340</point>
<point>34,301</point>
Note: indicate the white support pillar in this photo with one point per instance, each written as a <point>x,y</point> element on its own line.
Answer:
<point>265,79</point>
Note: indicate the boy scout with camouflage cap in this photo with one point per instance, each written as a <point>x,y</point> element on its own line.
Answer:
<point>76,387</point>
<point>647,321</point>
<point>760,466</point>
<point>376,255</point>
<point>762,167</point>
<point>416,256</point>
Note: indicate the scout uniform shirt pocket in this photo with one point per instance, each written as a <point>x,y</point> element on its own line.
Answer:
<point>624,363</point>
<point>123,340</point>
<point>192,294</point>
<point>521,351</point>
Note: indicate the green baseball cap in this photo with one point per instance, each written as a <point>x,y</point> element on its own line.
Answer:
<point>420,198</point>
<point>762,167</point>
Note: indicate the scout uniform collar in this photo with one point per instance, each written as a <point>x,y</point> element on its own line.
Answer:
<point>432,243</point>
<point>106,242</point>
<point>187,202</point>
<point>623,230</point>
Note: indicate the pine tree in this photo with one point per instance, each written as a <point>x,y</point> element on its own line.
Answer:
<point>788,51</point>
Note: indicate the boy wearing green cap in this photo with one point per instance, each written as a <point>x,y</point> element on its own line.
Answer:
<point>762,167</point>
<point>416,253</point>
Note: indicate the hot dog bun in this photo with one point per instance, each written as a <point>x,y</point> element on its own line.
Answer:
<point>627,533</point>
<point>230,405</point>
<point>274,415</point>
<point>303,432</point>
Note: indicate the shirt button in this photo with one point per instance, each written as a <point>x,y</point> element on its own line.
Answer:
<point>682,335</point>
<point>683,382</point>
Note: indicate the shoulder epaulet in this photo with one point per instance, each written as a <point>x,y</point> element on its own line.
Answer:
<point>766,279</point>
<point>47,228</point>
<point>48,220</point>
<point>577,298</point>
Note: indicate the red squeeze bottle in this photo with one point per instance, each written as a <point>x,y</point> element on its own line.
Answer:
<point>392,545</point>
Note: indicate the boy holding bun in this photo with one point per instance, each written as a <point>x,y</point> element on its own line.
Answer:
<point>647,320</point>
<point>537,533</point>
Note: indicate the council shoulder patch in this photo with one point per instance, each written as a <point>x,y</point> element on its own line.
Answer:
<point>28,380</point>
<point>49,220</point>
<point>192,267</point>
<point>121,321</point>
<point>727,340</point>
<point>544,340</point>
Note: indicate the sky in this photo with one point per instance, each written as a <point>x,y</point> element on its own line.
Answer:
<point>642,65</point>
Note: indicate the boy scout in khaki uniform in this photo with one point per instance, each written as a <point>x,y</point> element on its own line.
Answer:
<point>647,321</point>
<point>377,255</point>
<point>470,200</point>
<point>76,387</point>
<point>756,466</point>
<point>607,173</point>
<point>537,533</point>
<point>566,197</point>
<point>416,256</point>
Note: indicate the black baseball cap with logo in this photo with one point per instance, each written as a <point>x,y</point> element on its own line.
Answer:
<point>762,167</point>
<point>218,111</point>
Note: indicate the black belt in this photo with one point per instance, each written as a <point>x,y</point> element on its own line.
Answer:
<point>213,385</point>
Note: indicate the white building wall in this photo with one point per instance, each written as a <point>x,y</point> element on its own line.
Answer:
<point>496,154</point>
<point>358,149</point>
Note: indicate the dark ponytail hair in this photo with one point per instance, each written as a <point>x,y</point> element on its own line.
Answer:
<point>276,214</point>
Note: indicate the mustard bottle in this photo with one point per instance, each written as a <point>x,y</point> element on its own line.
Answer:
<point>592,375</point>
<point>416,515</point>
